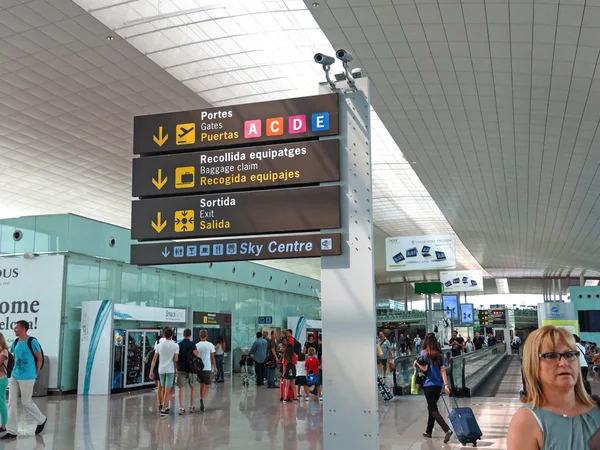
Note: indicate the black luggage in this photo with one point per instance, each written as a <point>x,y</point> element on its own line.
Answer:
<point>464,424</point>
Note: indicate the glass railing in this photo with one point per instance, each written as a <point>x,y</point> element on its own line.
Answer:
<point>465,373</point>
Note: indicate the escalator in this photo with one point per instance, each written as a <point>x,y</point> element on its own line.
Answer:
<point>504,381</point>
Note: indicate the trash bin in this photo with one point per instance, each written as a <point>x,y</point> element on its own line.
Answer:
<point>40,388</point>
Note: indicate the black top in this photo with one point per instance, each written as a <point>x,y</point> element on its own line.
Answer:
<point>456,350</point>
<point>478,342</point>
<point>492,341</point>
<point>312,345</point>
<point>185,346</point>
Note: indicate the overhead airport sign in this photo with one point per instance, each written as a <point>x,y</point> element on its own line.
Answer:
<point>238,213</point>
<point>429,252</point>
<point>267,166</point>
<point>462,280</point>
<point>249,124</point>
<point>207,318</point>
<point>241,249</point>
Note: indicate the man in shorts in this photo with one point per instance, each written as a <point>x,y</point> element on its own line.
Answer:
<point>167,352</point>
<point>206,352</point>
<point>185,377</point>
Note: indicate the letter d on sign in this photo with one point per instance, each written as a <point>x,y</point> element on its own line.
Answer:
<point>297,124</point>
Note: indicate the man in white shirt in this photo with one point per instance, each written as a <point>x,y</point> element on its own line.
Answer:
<point>516,343</point>
<point>167,353</point>
<point>583,364</point>
<point>206,352</point>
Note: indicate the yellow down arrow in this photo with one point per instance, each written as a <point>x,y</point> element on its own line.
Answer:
<point>160,140</point>
<point>159,226</point>
<point>160,183</point>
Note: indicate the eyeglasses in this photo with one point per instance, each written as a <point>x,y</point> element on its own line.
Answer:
<point>555,356</point>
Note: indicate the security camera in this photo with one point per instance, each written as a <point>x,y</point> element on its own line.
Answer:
<point>111,241</point>
<point>324,60</point>
<point>340,76</point>
<point>344,55</point>
<point>17,235</point>
<point>357,73</point>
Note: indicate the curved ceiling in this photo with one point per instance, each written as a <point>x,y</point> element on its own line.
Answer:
<point>488,156</point>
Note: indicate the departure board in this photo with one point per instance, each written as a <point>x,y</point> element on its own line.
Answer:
<point>495,316</point>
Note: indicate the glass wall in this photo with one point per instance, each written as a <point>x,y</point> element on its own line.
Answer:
<point>89,278</point>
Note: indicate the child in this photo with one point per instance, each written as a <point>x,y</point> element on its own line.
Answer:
<point>301,375</point>
<point>312,366</point>
<point>289,371</point>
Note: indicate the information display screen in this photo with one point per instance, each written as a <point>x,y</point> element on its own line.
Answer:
<point>450,305</point>
<point>466,312</point>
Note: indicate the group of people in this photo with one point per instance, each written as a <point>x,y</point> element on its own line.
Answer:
<point>186,365</point>
<point>300,368</point>
<point>460,346</point>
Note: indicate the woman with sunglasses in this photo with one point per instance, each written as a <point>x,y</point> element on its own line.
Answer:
<point>558,413</point>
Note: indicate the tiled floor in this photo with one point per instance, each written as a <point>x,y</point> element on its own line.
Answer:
<point>236,418</point>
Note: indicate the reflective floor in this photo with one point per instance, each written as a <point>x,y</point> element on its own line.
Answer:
<point>236,418</point>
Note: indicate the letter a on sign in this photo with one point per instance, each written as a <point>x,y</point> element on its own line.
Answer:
<point>252,129</point>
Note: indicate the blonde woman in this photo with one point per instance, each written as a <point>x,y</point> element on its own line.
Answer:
<point>558,413</point>
<point>4,349</point>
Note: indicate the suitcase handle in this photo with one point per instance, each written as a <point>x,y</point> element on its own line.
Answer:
<point>455,402</point>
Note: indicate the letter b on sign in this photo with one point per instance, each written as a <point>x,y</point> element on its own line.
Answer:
<point>297,124</point>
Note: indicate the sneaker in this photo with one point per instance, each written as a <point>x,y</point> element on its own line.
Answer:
<point>168,410</point>
<point>8,436</point>
<point>447,436</point>
<point>163,413</point>
<point>160,408</point>
<point>202,405</point>
<point>321,399</point>
<point>427,435</point>
<point>182,411</point>
<point>40,428</point>
<point>192,409</point>
<point>284,401</point>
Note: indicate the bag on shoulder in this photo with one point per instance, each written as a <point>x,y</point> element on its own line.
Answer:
<point>194,363</point>
<point>297,347</point>
<point>379,352</point>
<point>9,364</point>
<point>290,371</point>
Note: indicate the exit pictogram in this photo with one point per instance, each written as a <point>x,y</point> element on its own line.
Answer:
<point>184,221</point>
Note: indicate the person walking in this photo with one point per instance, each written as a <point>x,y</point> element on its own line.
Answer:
<point>3,382</point>
<point>478,341</point>
<point>206,352</point>
<point>386,349</point>
<point>469,345</point>
<point>515,344</point>
<point>271,362</point>
<point>219,357</point>
<point>185,376</point>
<point>432,363</point>
<point>457,343</point>
<point>417,342</point>
<point>290,359</point>
<point>259,352</point>
<point>583,365</point>
<point>28,363</point>
<point>168,352</point>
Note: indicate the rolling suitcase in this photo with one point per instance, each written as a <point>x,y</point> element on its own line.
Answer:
<point>384,390</point>
<point>464,424</point>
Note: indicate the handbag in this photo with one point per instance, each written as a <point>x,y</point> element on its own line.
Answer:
<point>414,387</point>
<point>270,362</point>
<point>379,352</point>
<point>312,379</point>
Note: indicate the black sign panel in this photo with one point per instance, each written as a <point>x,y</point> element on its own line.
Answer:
<point>238,213</point>
<point>274,165</point>
<point>206,318</point>
<point>241,249</point>
<point>251,124</point>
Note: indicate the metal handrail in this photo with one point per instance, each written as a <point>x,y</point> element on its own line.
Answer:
<point>464,389</point>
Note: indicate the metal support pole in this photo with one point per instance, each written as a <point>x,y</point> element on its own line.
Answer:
<point>559,291</point>
<point>553,295</point>
<point>348,290</point>
<point>581,280</point>
<point>405,296</point>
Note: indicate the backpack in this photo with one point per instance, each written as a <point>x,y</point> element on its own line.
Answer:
<point>194,363</point>
<point>9,365</point>
<point>290,371</point>
<point>30,345</point>
<point>297,347</point>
